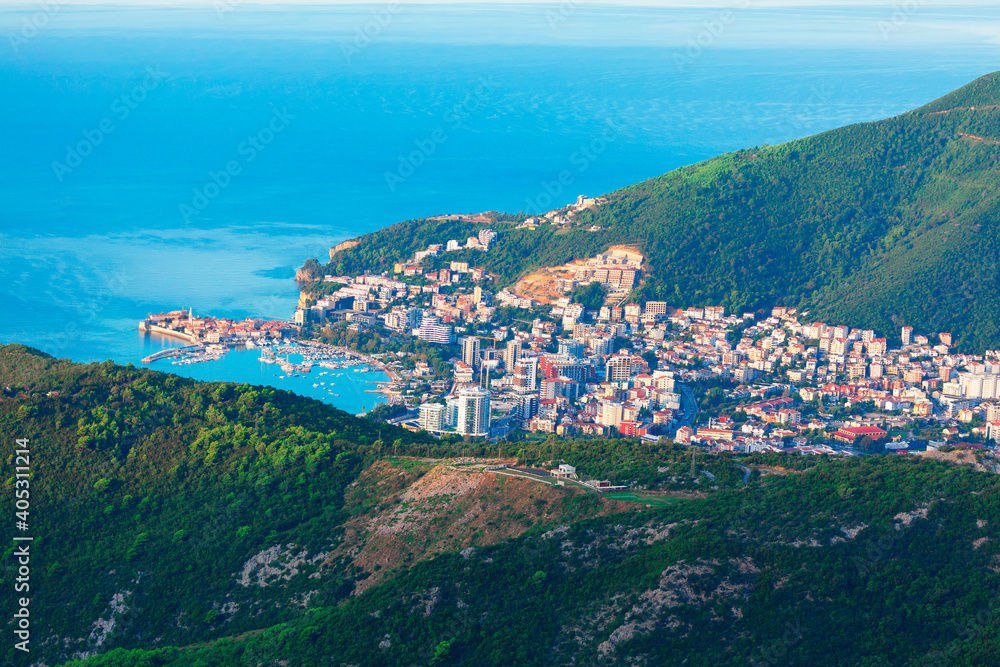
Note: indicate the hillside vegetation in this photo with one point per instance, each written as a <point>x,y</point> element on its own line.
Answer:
<point>875,561</point>
<point>875,225</point>
<point>166,511</point>
<point>186,523</point>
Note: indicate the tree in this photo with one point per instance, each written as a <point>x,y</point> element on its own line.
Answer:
<point>590,296</point>
<point>869,445</point>
<point>650,358</point>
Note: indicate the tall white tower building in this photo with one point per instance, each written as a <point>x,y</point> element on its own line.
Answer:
<point>474,411</point>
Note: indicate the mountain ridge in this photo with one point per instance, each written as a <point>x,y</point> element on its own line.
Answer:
<point>877,225</point>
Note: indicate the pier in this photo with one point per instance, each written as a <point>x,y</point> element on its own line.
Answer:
<point>173,352</point>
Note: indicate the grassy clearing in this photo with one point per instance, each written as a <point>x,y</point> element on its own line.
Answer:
<point>648,499</point>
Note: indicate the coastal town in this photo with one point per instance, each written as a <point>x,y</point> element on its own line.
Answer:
<point>520,362</point>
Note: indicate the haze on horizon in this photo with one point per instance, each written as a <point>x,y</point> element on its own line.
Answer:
<point>756,24</point>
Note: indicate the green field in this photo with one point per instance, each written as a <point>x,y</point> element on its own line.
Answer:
<point>648,499</point>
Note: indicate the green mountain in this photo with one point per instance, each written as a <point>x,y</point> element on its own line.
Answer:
<point>185,523</point>
<point>147,492</point>
<point>166,511</point>
<point>876,225</point>
<point>872,562</point>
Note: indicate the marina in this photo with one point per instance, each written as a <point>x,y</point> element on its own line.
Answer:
<point>333,375</point>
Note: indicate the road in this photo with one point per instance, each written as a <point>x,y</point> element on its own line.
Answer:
<point>510,472</point>
<point>689,405</point>
<point>746,473</point>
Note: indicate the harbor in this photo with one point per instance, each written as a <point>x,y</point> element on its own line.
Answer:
<point>336,376</point>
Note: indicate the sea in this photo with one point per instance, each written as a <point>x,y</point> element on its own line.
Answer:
<point>155,158</point>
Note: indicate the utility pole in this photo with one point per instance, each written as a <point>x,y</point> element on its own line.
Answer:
<point>692,462</point>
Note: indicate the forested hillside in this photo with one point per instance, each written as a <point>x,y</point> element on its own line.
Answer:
<point>874,225</point>
<point>166,511</point>
<point>149,491</point>
<point>187,523</point>
<point>875,561</point>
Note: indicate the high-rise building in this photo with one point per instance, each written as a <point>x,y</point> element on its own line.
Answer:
<point>527,406</point>
<point>451,412</point>
<point>570,348</point>
<point>486,237</point>
<point>991,386</point>
<point>618,369</point>
<point>611,413</point>
<point>972,385</point>
<point>526,375</point>
<point>511,354</point>
<point>432,331</point>
<point>474,411</point>
<point>656,308</point>
<point>600,344</point>
<point>432,417</point>
<point>550,388</point>
<point>470,351</point>
<point>907,335</point>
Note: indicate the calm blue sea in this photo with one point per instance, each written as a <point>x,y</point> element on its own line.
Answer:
<point>152,159</point>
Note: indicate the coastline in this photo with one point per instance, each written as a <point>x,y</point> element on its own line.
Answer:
<point>154,328</point>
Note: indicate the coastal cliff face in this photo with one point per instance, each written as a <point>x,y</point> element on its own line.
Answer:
<point>346,245</point>
<point>302,276</point>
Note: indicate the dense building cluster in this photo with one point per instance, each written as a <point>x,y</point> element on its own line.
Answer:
<point>623,368</point>
<point>207,329</point>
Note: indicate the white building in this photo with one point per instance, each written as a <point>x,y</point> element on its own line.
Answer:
<point>474,411</point>
<point>611,414</point>
<point>526,375</point>
<point>470,351</point>
<point>432,331</point>
<point>432,417</point>
<point>511,354</point>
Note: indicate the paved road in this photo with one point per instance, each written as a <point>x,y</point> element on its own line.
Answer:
<point>689,405</point>
<point>533,471</point>
<point>517,472</point>
<point>746,473</point>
